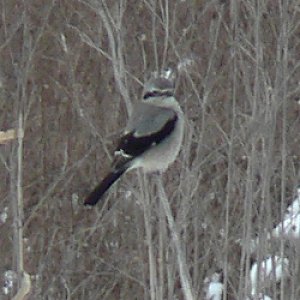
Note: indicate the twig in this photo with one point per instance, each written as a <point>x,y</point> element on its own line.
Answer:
<point>183,270</point>
<point>23,277</point>
<point>149,237</point>
<point>6,136</point>
<point>25,287</point>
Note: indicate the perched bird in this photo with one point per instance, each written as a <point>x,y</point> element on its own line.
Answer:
<point>152,138</point>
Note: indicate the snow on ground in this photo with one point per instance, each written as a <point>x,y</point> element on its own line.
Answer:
<point>290,225</point>
<point>271,269</point>
<point>214,287</point>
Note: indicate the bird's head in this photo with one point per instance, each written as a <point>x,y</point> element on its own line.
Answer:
<point>159,86</point>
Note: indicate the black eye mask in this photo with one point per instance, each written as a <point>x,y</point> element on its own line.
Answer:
<point>158,94</point>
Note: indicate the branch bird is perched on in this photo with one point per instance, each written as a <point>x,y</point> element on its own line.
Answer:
<point>152,137</point>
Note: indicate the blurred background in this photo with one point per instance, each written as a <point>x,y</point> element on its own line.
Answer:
<point>70,72</point>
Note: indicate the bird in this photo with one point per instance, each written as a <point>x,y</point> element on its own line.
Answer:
<point>152,137</point>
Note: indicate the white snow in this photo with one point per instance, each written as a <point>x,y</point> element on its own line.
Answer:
<point>10,278</point>
<point>214,287</point>
<point>290,226</point>
<point>4,215</point>
<point>272,269</point>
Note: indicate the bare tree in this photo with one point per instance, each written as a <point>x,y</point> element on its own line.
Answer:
<point>70,72</point>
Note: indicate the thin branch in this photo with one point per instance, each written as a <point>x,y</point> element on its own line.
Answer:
<point>9,135</point>
<point>149,234</point>
<point>183,269</point>
<point>115,48</point>
<point>23,277</point>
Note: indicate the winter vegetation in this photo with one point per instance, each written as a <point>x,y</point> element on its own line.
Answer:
<point>223,223</point>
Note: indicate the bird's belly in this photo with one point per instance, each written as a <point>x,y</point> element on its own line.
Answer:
<point>160,156</point>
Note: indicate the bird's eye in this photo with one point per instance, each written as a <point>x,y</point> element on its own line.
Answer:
<point>158,93</point>
<point>152,94</point>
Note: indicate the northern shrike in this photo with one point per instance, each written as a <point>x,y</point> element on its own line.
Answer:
<point>152,138</point>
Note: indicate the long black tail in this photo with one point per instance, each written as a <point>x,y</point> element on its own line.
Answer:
<point>103,186</point>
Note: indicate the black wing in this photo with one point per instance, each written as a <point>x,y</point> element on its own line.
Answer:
<point>134,146</point>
